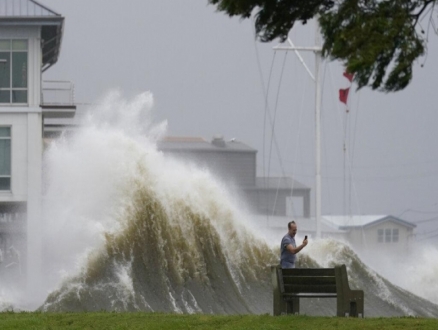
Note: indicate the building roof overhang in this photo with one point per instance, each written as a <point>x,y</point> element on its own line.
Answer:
<point>51,33</point>
<point>364,221</point>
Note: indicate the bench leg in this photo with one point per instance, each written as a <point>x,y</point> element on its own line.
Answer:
<point>353,309</point>
<point>280,306</point>
<point>357,303</point>
<point>360,304</point>
<point>289,307</point>
<point>293,306</point>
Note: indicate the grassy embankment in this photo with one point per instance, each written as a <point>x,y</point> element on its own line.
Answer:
<point>102,320</point>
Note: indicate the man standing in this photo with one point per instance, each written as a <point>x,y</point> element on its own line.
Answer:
<point>288,247</point>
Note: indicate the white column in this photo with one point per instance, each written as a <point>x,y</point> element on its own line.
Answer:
<point>34,202</point>
<point>35,76</point>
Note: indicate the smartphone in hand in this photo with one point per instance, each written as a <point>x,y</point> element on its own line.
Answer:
<point>305,237</point>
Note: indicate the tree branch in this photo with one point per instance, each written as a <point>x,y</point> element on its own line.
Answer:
<point>418,15</point>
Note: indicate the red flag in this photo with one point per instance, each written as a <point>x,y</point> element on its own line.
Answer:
<point>343,95</point>
<point>349,76</point>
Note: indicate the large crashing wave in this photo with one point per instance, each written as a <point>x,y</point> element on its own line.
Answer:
<point>170,238</point>
<point>171,256</point>
<point>134,230</point>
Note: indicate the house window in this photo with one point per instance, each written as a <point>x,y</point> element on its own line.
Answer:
<point>387,235</point>
<point>13,71</point>
<point>395,235</point>
<point>5,158</point>
<point>380,236</point>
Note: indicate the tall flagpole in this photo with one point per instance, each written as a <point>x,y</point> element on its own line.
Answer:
<point>317,135</point>
<point>316,77</point>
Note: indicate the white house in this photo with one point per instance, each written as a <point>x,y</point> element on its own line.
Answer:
<point>30,41</point>
<point>374,232</point>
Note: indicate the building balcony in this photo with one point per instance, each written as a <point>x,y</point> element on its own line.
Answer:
<point>58,99</point>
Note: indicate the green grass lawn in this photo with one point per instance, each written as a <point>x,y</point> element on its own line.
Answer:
<point>103,320</point>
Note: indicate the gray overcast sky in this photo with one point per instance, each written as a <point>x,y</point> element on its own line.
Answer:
<point>203,70</point>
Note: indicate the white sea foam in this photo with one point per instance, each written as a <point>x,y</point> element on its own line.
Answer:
<point>175,307</point>
<point>124,286</point>
<point>189,302</point>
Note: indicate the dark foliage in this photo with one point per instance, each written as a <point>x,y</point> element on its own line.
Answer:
<point>377,40</point>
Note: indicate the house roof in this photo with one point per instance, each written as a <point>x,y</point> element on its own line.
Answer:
<point>346,221</point>
<point>32,13</point>
<point>198,144</point>
<point>25,8</point>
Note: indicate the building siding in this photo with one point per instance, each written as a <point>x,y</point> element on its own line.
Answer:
<point>237,168</point>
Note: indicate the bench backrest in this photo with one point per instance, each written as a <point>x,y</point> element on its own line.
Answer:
<point>307,280</point>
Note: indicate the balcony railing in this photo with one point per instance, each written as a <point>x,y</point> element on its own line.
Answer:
<point>57,92</point>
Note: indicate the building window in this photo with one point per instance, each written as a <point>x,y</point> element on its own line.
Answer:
<point>5,158</point>
<point>395,235</point>
<point>380,236</point>
<point>387,235</point>
<point>13,71</point>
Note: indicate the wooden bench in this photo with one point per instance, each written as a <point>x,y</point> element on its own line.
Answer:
<point>292,284</point>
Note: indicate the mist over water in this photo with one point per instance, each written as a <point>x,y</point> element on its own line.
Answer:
<point>414,269</point>
<point>128,228</point>
<point>422,273</point>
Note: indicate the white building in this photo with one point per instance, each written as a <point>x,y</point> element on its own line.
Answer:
<point>374,233</point>
<point>30,41</point>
